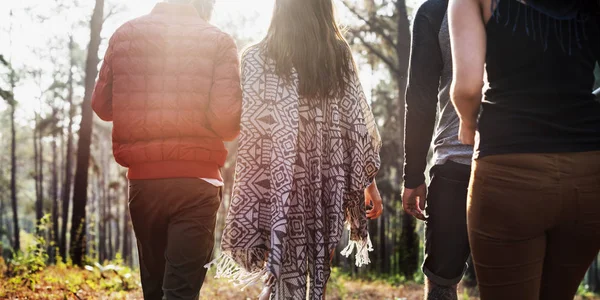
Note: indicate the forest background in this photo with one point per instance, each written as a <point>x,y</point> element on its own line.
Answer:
<point>63,199</point>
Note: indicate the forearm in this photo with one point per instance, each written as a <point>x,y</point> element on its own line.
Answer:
<point>373,186</point>
<point>225,105</point>
<point>468,36</point>
<point>467,105</point>
<point>426,65</point>
<point>227,124</point>
<point>102,96</point>
<point>417,141</point>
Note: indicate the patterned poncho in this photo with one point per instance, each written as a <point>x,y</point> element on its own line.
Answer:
<point>302,168</point>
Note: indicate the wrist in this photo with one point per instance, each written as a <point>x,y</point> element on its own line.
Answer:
<point>413,182</point>
<point>468,123</point>
<point>372,187</point>
<point>413,186</point>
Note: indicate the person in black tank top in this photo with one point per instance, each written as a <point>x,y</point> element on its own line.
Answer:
<point>534,197</point>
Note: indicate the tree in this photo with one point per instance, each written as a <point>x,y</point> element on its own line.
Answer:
<point>8,96</point>
<point>116,191</point>
<point>102,249</point>
<point>68,179</point>
<point>54,184</point>
<point>78,220</point>
<point>38,156</point>
<point>38,172</point>
<point>13,169</point>
<point>382,35</point>
<point>127,226</point>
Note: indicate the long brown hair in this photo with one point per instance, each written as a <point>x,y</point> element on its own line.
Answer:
<point>305,36</point>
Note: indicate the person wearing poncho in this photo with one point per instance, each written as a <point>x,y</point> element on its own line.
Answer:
<point>304,169</point>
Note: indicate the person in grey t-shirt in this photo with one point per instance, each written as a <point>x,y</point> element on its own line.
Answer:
<point>442,204</point>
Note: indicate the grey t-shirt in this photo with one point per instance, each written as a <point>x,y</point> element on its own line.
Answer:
<point>446,145</point>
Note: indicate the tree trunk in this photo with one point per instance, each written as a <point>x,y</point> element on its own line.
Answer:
<point>13,178</point>
<point>39,168</point>
<point>126,228</point>
<point>40,207</point>
<point>68,175</point>
<point>102,219</point>
<point>93,229</point>
<point>409,242</point>
<point>383,242</point>
<point>1,216</point>
<point>36,174</point>
<point>54,236</point>
<point>2,228</point>
<point>373,227</point>
<point>117,218</point>
<point>109,224</point>
<point>394,243</point>
<point>78,221</point>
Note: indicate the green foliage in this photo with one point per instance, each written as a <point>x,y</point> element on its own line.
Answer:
<point>24,267</point>
<point>339,277</point>
<point>584,292</point>
<point>115,276</point>
<point>336,282</point>
<point>30,269</point>
<point>7,95</point>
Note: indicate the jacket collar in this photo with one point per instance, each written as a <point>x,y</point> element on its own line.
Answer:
<point>163,8</point>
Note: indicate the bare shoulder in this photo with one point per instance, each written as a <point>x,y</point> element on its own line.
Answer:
<point>484,6</point>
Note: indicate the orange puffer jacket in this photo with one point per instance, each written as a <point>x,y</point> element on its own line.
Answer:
<point>170,82</point>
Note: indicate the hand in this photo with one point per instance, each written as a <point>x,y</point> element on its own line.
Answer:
<point>467,133</point>
<point>413,202</point>
<point>372,198</point>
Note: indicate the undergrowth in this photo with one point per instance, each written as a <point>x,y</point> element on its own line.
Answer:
<point>28,274</point>
<point>33,274</point>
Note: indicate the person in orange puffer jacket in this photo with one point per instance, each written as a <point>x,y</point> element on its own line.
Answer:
<point>170,83</point>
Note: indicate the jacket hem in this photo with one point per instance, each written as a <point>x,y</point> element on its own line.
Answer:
<point>174,169</point>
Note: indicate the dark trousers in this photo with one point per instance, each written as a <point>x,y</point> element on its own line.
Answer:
<point>174,222</point>
<point>446,238</point>
<point>534,224</point>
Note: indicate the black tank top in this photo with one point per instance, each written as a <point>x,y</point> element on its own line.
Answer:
<point>541,75</point>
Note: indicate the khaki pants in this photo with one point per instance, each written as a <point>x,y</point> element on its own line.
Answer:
<point>534,223</point>
<point>174,222</point>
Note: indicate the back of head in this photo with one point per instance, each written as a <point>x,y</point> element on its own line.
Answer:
<point>204,7</point>
<point>304,36</point>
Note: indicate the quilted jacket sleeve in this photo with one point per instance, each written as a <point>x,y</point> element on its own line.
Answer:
<point>225,105</point>
<point>102,97</point>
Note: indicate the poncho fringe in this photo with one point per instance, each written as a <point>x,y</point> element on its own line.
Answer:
<point>227,268</point>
